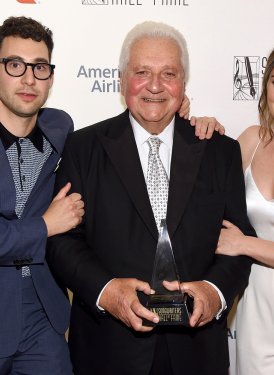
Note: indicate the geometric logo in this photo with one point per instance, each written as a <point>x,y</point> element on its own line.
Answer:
<point>246,77</point>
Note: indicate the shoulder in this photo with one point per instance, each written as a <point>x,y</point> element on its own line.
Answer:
<point>250,134</point>
<point>55,125</point>
<point>248,141</point>
<point>109,127</point>
<point>222,144</point>
<point>223,147</point>
<point>55,118</point>
<point>184,127</point>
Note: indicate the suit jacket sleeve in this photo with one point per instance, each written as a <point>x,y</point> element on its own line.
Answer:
<point>69,256</point>
<point>230,273</point>
<point>22,238</point>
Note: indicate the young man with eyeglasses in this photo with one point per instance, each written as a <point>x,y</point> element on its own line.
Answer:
<point>34,311</point>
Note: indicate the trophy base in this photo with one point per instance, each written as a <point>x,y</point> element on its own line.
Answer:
<point>171,309</point>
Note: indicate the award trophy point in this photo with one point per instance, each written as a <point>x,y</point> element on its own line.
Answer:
<point>172,307</point>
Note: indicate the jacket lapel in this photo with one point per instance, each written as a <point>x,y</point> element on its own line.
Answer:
<point>7,188</point>
<point>120,147</point>
<point>119,144</point>
<point>57,139</point>
<point>186,159</point>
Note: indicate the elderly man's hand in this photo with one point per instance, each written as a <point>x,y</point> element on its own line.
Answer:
<point>119,298</point>
<point>207,302</point>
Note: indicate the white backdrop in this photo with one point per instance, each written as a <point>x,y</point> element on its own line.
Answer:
<point>228,43</point>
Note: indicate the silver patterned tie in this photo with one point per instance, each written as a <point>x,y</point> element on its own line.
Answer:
<point>157,181</point>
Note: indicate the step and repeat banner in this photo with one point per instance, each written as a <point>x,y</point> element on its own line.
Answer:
<point>228,42</point>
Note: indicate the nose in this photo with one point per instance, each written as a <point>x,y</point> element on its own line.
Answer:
<point>28,76</point>
<point>155,84</point>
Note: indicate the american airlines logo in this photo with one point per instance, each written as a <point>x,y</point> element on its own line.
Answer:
<point>101,79</point>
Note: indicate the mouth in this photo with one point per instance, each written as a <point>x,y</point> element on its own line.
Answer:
<point>27,95</point>
<point>149,100</point>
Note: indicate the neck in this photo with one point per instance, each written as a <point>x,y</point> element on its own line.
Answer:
<point>18,126</point>
<point>154,128</point>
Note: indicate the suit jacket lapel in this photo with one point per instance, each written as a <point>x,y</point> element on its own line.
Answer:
<point>7,188</point>
<point>121,149</point>
<point>57,139</point>
<point>186,158</point>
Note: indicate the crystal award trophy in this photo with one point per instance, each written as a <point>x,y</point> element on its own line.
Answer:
<point>172,307</point>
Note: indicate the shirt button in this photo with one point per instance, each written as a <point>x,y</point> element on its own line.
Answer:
<point>21,160</point>
<point>23,178</point>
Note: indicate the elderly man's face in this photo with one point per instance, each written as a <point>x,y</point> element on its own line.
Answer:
<point>153,83</point>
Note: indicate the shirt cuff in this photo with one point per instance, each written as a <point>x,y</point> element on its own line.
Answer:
<point>98,299</point>
<point>223,301</point>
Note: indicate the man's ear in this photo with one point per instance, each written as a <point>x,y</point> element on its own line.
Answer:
<point>51,79</point>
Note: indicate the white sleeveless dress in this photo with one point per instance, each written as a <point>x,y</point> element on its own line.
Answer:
<point>255,312</point>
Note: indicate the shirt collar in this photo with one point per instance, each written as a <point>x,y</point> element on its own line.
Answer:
<point>35,136</point>
<point>141,135</point>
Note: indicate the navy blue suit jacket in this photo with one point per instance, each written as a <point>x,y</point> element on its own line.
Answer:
<point>23,241</point>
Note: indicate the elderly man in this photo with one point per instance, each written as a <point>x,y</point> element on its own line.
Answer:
<point>108,262</point>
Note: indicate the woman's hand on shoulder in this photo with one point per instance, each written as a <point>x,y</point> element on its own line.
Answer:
<point>205,126</point>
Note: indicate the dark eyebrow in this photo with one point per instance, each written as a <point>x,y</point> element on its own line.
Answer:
<point>36,60</point>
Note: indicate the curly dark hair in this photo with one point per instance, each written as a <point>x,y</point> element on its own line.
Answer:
<point>25,28</point>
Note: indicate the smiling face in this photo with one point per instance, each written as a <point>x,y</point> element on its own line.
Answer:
<point>153,82</point>
<point>22,97</point>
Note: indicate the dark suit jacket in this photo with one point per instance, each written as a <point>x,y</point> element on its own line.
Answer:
<point>23,241</point>
<point>119,238</point>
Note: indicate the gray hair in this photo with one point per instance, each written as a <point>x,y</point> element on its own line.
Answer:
<point>151,29</point>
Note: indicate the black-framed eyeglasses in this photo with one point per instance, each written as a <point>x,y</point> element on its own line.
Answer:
<point>17,68</point>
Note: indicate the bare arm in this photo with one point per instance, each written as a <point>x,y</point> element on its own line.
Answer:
<point>233,242</point>
<point>185,108</point>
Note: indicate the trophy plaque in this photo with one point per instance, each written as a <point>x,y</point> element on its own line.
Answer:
<point>172,307</point>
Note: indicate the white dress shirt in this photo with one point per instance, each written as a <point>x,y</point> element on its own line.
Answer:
<point>141,137</point>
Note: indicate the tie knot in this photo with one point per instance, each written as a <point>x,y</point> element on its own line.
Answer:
<point>154,144</point>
